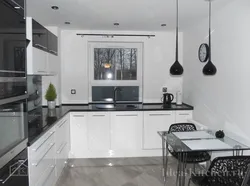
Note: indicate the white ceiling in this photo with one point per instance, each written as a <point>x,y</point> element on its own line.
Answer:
<point>144,15</point>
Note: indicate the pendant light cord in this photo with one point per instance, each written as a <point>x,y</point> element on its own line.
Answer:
<point>177,30</point>
<point>210,12</point>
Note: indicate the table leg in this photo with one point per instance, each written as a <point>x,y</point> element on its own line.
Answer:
<point>164,159</point>
<point>181,172</point>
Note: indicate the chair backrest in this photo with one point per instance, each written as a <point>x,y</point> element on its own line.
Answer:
<point>182,127</point>
<point>246,181</point>
<point>229,170</point>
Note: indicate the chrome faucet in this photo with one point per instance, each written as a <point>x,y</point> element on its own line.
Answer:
<point>114,95</point>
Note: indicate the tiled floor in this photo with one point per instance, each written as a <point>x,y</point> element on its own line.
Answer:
<point>117,172</point>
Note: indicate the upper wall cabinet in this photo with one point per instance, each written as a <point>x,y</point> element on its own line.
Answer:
<point>43,39</point>
<point>42,51</point>
<point>52,43</point>
<point>39,36</point>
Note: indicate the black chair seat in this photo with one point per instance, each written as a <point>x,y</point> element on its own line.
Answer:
<point>223,171</point>
<point>195,157</point>
<point>199,179</point>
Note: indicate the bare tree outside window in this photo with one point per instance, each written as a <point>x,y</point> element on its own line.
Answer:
<point>115,63</point>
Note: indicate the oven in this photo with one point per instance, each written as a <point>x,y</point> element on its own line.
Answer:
<point>13,130</point>
<point>13,50</point>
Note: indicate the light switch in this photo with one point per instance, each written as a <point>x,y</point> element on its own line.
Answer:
<point>73,91</point>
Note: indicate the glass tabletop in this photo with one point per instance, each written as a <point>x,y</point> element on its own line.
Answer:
<point>204,140</point>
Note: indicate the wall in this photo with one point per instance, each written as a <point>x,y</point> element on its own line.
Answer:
<point>221,101</point>
<point>56,79</point>
<point>159,55</point>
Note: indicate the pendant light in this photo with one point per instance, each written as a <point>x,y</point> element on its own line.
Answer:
<point>176,69</point>
<point>209,69</point>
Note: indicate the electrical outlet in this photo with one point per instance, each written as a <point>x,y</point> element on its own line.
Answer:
<point>164,89</point>
<point>73,91</point>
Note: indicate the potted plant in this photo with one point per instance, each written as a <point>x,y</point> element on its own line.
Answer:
<point>51,96</point>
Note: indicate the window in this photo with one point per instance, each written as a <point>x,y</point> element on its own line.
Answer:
<point>114,65</point>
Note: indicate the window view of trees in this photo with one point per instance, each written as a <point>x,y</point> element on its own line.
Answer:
<point>115,63</point>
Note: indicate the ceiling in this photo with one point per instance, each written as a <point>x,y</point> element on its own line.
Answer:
<point>143,15</point>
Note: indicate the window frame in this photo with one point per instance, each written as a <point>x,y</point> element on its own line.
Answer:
<point>115,44</point>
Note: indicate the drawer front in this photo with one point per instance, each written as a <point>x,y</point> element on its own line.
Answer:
<point>61,133</point>
<point>155,121</point>
<point>48,178</point>
<point>38,166</point>
<point>42,144</point>
<point>61,158</point>
<point>183,116</point>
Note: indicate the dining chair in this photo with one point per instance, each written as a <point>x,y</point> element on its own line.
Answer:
<point>224,171</point>
<point>246,181</point>
<point>192,157</point>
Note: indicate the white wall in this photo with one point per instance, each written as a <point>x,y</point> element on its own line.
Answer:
<point>56,79</point>
<point>221,101</point>
<point>159,55</point>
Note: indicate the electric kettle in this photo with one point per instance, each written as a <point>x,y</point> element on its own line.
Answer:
<point>167,99</point>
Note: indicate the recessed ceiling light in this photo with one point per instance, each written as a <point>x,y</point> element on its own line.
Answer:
<point>164,24</point>
<point>55,7</point>
<point>67,23</point>
<point>116,24</point>
<point>17,7</point>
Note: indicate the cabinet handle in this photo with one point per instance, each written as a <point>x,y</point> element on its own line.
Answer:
<point>160,114</point>
<point>41,46</point>
<point>5,180</point>
<point>61,148</point>
<point>98,115</point>
<point>184,114</point>
<point>36,149</point>
<point>36,164</point>
<point>78,116</point>
<point>52,51</point>
<point>41,71</point>
<point>62,124</point>
<point>128,115</point>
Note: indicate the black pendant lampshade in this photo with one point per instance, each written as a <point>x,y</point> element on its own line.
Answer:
<point>176,69</point>
<point>209,69</point>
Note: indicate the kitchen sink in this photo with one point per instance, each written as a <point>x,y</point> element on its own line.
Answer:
<point>118,106</point>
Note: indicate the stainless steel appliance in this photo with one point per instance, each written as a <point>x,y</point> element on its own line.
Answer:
<point>12,51</point>
<point>16,171</point>
<point>13,130</point>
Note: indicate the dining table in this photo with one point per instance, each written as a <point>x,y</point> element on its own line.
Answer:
<point>195,141</point>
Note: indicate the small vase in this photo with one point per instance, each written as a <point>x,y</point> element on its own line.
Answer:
<point>51,104</point>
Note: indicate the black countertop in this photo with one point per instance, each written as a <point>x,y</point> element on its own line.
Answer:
<point>47,118</point>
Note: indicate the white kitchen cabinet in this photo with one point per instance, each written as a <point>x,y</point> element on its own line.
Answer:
<point>182,116</point>
<point>62,144</point>
<point>41,157</point>
<point>126,130</point>
<point>98,131</point>
<point>78,134</point>
<point>53,64</point>
<point>155,121</point>
<point>39,61</point>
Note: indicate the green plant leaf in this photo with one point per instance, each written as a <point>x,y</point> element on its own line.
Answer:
<point>51,94</point>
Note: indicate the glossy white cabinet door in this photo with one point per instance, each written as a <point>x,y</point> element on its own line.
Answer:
<point>39,61</point>
<point>98,131</point>
<point>53,64</point>
<point>155,121</point>
<point>182,116</point>
<point>78,134</point>
<point>126,130</point>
